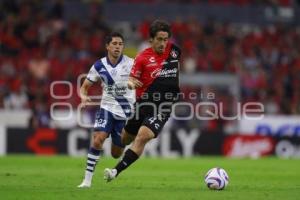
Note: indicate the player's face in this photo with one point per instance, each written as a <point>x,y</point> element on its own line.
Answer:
<point>160,41</point>
<point>115,47</point>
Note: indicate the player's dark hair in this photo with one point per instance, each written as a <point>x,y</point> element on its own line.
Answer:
<point>109,38</point>
<point>159,25</point>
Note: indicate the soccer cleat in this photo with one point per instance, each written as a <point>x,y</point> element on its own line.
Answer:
<point>110,174</point>
<point>84,184</point>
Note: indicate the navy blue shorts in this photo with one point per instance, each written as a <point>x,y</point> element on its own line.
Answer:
<point>108,122</point>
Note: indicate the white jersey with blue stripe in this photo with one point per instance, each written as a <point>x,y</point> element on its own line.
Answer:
<point>116,97</point>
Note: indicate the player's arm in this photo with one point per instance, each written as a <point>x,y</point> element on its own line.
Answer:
<point>85,99</point>
<point>91,78</point>
<point>134,83</point>
<point>135,74</point>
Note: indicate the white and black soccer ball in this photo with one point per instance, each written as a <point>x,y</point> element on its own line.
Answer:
<point>216,178</point>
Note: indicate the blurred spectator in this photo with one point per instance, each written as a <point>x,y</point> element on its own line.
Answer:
<point>189,65</point>
<point>40,115</point>
<point>39,66</point>
<point>17,98</point>
<point>219,2</point>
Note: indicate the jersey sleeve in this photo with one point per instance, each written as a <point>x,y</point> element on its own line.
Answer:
<point>137,67</point>
<point>93,75</point>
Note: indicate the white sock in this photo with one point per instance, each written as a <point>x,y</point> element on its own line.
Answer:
<point>91,162</point>
<point>88,176</point>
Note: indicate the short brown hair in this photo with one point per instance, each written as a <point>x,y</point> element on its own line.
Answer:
<point>109,38</point>
<point>159,25</point>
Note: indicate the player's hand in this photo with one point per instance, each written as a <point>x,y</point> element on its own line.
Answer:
<point>85,100</point>
<point>133,83</point>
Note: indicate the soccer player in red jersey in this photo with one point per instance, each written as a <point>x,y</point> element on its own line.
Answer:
<point>155,76</point>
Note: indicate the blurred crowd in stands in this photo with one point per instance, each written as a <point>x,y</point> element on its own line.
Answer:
<point>220,2</point>
<point>37,47</point>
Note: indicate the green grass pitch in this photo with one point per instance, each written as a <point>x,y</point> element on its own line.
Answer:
<point>32,177</point>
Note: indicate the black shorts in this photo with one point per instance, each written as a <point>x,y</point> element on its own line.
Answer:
<point>146,117</point>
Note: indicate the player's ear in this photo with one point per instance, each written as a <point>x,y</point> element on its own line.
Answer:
<point>150,40</point>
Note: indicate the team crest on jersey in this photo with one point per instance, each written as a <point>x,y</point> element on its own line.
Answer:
<point>174,54</point>
<point>113,72</point>
<point>125,69</point>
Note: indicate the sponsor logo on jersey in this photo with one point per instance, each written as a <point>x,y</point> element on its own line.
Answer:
<point>164,73</point>
<point>116,90</point>
<point>126,69</point>
<point>113,72</point>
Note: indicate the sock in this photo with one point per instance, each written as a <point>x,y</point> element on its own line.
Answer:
<point>92,159</point>
<point>129,158</point>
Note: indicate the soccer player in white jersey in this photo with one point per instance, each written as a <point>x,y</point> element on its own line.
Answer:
<point>116,103</point>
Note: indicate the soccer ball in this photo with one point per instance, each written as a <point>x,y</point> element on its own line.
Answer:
<point>216,179</point>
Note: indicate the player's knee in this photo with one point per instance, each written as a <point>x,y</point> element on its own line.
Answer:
<point>97,143</point>
<point>143,138</point>
<point>116,154</point>
<point>144,135</point>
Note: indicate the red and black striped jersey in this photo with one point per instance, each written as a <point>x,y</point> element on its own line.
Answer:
<point>159,73</point>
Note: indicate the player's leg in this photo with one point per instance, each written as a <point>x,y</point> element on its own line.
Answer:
<point>117,147</point>
<point>132,154</point>
<point>126,137</point>
<point>93,157</point>
<point>102,129</point>
<point>144,135</point>
<point>132,127</point>
<point>149,130</point>
<point>116,151</point>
